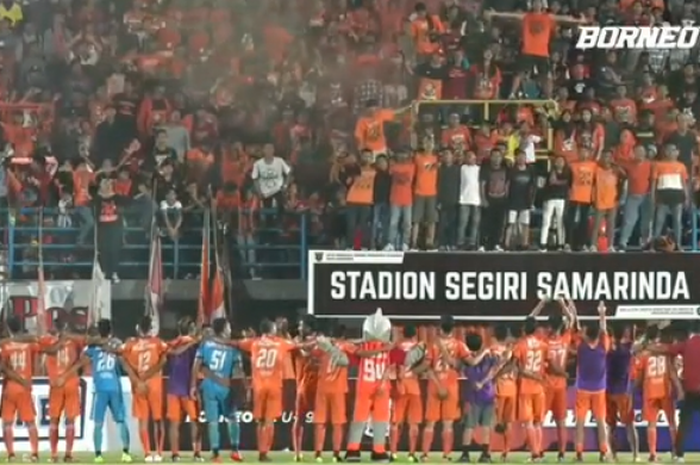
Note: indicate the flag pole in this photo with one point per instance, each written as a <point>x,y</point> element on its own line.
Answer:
<point>219,262</point>
<point>203,304</point>
<point>95,263</point>
<point>226,268</point>
<point>41,311</point>
<point>152,244</point>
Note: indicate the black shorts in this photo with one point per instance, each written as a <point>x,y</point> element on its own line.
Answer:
<point>535,64</point>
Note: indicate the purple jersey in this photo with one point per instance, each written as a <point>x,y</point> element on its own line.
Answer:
<point>180,372</point>
<point>475,374</point>
<point>619,363</point>
<point>591,367</point>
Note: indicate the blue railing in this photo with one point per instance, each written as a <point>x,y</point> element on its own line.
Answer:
<point>273,251</point>
<point>278,249</point>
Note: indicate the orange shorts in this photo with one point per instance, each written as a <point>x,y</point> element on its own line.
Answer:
<point>148,406</point>
<point>531,407</point>
<point>377,407</point>
<point>555,400</point>
<point>267,404</point>
<point>18,404</point>
<point>333,403</point>
<point>619,409</point>
<point>179,405</point>
<point>505,409</point>
<point>305,400</point>
<point>652,407</point>
<point>590,401</point>
<point>408,409</point>
<point>62,400</point>
<point>447,409</point>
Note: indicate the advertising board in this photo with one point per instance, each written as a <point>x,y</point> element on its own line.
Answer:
<point>501,286</point>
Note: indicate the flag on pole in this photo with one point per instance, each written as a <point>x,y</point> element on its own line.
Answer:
<point>218,302</point>
<point>43,324</point>
<point>154,285</point>
<point>98,280</point>
<point>203,309</point>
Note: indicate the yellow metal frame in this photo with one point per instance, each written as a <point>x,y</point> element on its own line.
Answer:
<point>553,110</point>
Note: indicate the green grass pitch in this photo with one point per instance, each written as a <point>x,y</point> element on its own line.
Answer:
<point>286,458</point>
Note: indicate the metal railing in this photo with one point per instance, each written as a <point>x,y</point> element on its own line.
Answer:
<point>272,246</point>
<point>274,250</point>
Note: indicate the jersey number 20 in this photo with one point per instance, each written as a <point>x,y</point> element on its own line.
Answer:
<point>267,358</point>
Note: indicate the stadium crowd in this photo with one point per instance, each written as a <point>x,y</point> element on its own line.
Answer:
<point>386,124</point>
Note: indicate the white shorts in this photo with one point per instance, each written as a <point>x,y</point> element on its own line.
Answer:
<point>519,216</point>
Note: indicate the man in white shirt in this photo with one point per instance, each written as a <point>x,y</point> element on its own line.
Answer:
<point>271,175</point>
<point>469,203</point>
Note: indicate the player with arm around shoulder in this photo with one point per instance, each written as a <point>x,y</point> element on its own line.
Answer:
<point>331,404</point>
<point>268,355</point>
<point>146,355</point>
<point>180,404</point>
<point>18,360</point>
<point>106,368</point>
<point>61,351</point>
<point>218,362</point>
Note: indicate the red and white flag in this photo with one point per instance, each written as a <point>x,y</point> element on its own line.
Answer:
<point>218,292</point>
<point>204,297</point>
<point>98,280</point>
<point>154,285</point>
<point>42,322</point>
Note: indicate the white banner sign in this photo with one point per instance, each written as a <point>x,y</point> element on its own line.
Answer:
<point>69,299</point>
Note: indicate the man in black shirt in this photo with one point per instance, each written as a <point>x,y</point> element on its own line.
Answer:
<point>494,198</point>
<point>521,195</point>
<point>556,191</point>
<point>685,142</point>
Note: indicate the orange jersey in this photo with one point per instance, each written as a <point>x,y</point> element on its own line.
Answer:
<point>372,369</point>
<point>557,355</point>
<point>268,357</point>
<point>505,384</point>
<point>406,378</point>
<point>306,366</point>
<point>59,362</point>
<point>654,370</point>
<point>439,359</point>
<point>333,378</point>
<point>142,354</point>
<point>19,357</point>
<point>531,354</point>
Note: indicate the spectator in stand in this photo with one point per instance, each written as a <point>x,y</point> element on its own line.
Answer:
<point>494,197</point>
<point>556,190</point>
<point>448,184</point>
<point>605,197</point>
<point>637,206</point>
<point>425,195</point>
<point>469,203</point>
<point>381,209</point>
<point>670,192</point>
<point>403,173</point>
<point>521,199</point>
